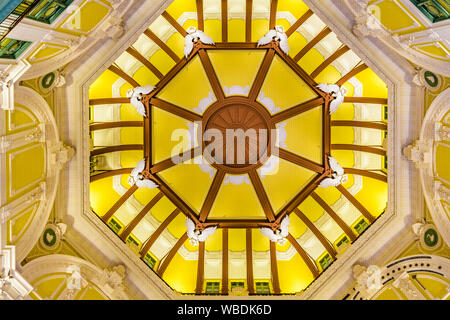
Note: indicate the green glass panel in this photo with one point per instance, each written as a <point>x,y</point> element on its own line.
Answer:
<point>48,10</point>
<point>12,48</point>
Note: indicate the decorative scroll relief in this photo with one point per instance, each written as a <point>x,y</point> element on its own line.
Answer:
<point>8,77</point>
<point>17,140</point>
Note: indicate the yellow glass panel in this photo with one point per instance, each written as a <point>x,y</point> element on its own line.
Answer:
<point>145,77</point>
<point>188,87</point>
<point>330,75</point>
<point>189,182</point>
<point>296,7</point>
<point>345,158</point>
<point>213,28</point>
<point>162,209</point>
<point>373,195</point>
<point>129,159</point>
<point>101,88</point>
<point>442,157</point>
<point>145,195</point>
<point>176,43</point>
<point>288,180</point>
<point>170,135</point>
<point>162,61</point>
<point>304,134</point>
<point>311,60</point>
<point>181,281</point>
<point>294,275</point>
<point>237,240</point>
<point>373,86</point>
<point>214,242</point>
<point>129,113</point>
<point>284,87</point>
<point>236,67</point>
<point>236,201</point>
<point>296,226</point>
<point>236,30</point>
<point>178,226</point>
<point>259,28</point>
<point>259,241</point>
<point>178,7</point>
<point>342,135</point>
<point>311,209</point>
<point>329,195</point>
<point>345,111</point>
<point>132,135</point>
<point>296,43</point>
<point>102,195</point>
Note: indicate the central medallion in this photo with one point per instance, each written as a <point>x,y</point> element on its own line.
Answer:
<point>237,134</point>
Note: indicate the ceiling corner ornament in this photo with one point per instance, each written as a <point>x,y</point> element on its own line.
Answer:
<point>335,92</point>
<point>428,236</point>
<point>140,177</point>
<point>198,234</point>
<point>279,233</point>
<point>135,96</point>
<point>277,34</point>
<point>368,279</point>
<point>50,239</point>
<point>337,176</point>
<point>194,36</point>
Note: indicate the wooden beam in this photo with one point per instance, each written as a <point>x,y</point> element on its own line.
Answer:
<point>124,76</point>
<point>298,109</point>
<point>235,46</point>
<point>348,231</point>
<point>200,18</point>
<point>155,235</point>
<point>326,132</point>
<point>260,77</point>
<point>323,240</point>
<point>249,260</point>
<point>176,110</point>
<point>299,22</point>
<point>326,31</point>
<point>162,45</point>
<point>360,124</point>
<point>273,13</point>
<point>119,100</point>
<point>138,56</point>
<point>224,20</point>
<point>225,261</point>
<point>248,20</point>
<point>110,173</point>
<point>366,100</point>
<point>351,74</point>
<point>355,147</point>
<point>356,203</point>
<point>119,203</point>
<point>163,266</point>
<point>212,194</point>
<point>211,74</point>
<point>200,267</point>
<point>329,60</point>
<point>148,138</point>
<point>122,147</point>
<point>115,124</point>
<point>262,195</point>
<point>311,265</point>
<point>174,23</point>
<point>238,223</point>
<point>274,268</point>
<point>129,228</point>
<point>169,163</point>
<point>298,160</point>
<point>366,173</point>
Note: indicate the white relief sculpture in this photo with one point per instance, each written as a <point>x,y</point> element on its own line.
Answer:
<point>137,178</point>
<point>277,34</point>
<point>135,96</point>
<point>196,236</point>
<point>338,177</point>
<point>279,236</point>
<point>338,93</point>
<point>195,35</point>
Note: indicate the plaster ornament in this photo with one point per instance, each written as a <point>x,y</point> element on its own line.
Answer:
<point>338,177</point>
<point>137,178</point>
<point>135,96</point>
<point>277,34</point>
<point>278,236</point>
<point>195,35</point>
<point>196,236</point>
<point>338,93</point>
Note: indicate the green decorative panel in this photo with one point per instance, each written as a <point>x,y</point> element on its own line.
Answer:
<point>237,284</point>
<point>262,287</point>
<point>361,226</point>
<point>342,241</point>
<point>434,10</point>
<point>212,287</point>
<point>149,260</point>
<point>48,10</point>
<point>12,49</point>
<point>114,225</point>
<point>325,261</point>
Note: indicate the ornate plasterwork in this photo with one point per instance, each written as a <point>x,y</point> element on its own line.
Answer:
<point>366,24</point>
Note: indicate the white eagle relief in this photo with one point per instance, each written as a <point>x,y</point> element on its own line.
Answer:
<point>338,177</point>
<point>135,96</point>
<point>279,236</point>
<point>337,92</point>
<point>277,34</point>
<point>196,236</point>
<point>193,36</point>
<point>136,177</point>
